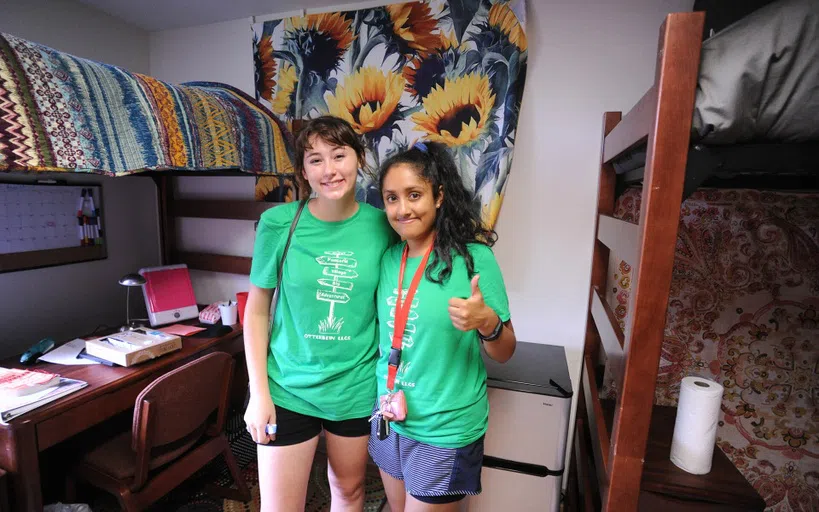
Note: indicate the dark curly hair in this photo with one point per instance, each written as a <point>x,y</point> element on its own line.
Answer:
<point>331,130</point>
<point>458,220</point>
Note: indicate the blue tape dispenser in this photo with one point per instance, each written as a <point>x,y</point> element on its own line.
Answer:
<point>41,347</point>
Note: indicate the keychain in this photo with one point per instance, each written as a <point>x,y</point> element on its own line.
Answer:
<point>394,405</point>
<point>383,430</point>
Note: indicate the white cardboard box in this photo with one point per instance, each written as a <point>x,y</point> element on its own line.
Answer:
<point>128,348</point>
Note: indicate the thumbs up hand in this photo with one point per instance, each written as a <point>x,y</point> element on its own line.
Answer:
<point>472,312</point>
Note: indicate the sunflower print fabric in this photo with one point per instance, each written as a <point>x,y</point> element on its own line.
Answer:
<point>444,71</point>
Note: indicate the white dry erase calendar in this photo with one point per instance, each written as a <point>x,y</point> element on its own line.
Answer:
<point>49,224</point>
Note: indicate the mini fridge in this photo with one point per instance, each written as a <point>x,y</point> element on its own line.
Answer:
<point>529,402</point>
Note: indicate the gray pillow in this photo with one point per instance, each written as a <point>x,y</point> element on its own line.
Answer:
<point>759,78</point>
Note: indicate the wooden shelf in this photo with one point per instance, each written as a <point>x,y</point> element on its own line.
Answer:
<point>217,209</point>
<point>723,486</point>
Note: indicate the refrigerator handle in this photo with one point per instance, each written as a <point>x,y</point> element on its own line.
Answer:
<point>520,467</point>
<point>566,394</point>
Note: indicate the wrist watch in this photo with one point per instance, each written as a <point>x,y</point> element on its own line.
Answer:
<point>495,333</point>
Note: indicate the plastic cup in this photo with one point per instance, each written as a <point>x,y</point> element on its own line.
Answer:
<point>228,312</point>
<point>241,299</point>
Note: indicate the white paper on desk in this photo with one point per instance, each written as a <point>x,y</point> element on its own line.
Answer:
<point>67,354</point>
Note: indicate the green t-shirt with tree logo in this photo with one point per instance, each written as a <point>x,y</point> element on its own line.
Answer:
<point>323,344</point>
<point>441,371</point>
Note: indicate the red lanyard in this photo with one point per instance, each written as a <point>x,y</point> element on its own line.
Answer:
<point>402,313</point>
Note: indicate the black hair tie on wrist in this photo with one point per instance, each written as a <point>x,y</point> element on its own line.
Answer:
<point>495,334</point>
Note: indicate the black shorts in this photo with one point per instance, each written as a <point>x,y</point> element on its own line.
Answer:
<point>294,428</point>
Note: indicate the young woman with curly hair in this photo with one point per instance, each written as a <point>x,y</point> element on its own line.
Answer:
<point>441,297</point>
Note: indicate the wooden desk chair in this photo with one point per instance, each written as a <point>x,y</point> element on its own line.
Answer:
<point>172,437</point>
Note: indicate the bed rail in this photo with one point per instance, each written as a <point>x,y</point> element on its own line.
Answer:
<point>171,209</point>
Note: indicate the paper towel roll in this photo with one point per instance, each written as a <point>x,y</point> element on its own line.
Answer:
<point>695,431</point>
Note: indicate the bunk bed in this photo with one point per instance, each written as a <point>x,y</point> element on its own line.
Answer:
<point>63,114</point>
<point>625,419</point>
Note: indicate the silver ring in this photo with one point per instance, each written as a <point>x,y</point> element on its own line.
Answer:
<point>270,429</point>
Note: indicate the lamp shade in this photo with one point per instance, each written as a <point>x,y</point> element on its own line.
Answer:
<point>132,280</point>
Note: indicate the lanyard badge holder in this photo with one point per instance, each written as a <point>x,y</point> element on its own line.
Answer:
<point>393,405</point>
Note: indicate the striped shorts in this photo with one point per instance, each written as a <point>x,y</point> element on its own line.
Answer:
<point>428,470</point>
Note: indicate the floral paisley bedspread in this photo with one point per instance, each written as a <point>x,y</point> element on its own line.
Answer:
<point>744,311</point>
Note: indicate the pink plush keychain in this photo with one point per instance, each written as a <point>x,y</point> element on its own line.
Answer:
<point>394,406</point>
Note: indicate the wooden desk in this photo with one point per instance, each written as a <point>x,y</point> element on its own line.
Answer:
<point>110,391</point>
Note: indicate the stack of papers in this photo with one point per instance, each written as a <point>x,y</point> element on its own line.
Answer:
<point>67,354</point>
<point>19,382</point>
<point>181,329</point>
<point>13,406</point>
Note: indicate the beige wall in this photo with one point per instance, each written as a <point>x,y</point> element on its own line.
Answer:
<point>72,27</point>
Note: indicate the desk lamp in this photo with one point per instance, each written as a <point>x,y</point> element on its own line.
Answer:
<point>129,281</point>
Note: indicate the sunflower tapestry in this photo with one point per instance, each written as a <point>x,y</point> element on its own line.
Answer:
<point>450,71</point>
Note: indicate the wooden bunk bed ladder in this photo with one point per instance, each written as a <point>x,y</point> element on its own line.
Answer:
<point>662,120</point>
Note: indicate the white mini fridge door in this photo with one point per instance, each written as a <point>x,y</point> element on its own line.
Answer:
<point>505,490</point>
<point>524,450</point>
<point>527,427</point>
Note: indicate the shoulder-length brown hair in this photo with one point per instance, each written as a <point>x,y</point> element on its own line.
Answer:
<point>332,130</point>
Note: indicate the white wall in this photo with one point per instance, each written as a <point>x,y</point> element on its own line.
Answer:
<point>70,300</point>
<point>585,57</point>
<point>75,28</point>
<point>221,52</point>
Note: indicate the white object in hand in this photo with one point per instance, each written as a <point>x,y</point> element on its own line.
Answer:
<point>695,429</point>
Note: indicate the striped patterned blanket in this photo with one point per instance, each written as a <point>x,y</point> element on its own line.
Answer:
<point>63,113</point>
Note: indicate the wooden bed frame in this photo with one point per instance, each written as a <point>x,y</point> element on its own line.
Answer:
<point>620,458</point>
<point>171,208</point>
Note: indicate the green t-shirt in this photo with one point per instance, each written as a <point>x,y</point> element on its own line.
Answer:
<point>441,371</point>
<point>323,345</point>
